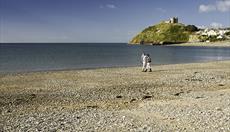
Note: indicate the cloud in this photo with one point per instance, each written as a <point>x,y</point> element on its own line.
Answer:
<point>161,10</point>
<point>223,5</point>
<point>111,6</point>
<point>220,5</point>
<point>216,25</point>
<point>207,8</point>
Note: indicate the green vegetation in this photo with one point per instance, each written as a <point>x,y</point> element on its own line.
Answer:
<point>164,33</point>
<point>228,33</point>
<point>191,28</point>
<point>203,38</point>
<point>210,38</point>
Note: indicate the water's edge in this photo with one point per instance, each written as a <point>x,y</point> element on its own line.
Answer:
<point>38,57</point>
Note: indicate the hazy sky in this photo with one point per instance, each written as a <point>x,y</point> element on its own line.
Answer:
<point>100,20</point>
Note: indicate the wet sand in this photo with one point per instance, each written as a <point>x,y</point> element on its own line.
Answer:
<point>183,97</point>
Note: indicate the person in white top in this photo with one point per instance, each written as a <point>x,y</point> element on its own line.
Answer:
<point>144,62</point>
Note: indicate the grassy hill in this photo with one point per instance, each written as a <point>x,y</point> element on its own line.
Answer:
<point>163,33</point>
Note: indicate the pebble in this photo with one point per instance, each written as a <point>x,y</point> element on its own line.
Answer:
<point>173,101</point>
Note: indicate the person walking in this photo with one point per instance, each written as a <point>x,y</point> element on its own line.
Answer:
<point>144,62</point>
<point>148,63</point>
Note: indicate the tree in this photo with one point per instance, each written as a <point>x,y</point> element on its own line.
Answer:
<point>191,28</point>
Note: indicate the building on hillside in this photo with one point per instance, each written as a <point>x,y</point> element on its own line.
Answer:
<point>220,37</point>
<point>209,32</point>
<point>222,32</point>
<point>172,20</point>
<point>212,33</point>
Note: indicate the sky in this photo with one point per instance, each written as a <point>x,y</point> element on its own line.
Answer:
<point>101,20</point>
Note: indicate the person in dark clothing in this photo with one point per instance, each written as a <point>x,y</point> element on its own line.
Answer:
<point>148,64</point>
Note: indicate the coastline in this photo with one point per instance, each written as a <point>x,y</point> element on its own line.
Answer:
<point>225,43</point>
<point>99,68</point>
<point>103,68</point>
<point>118,99</point>
<point>205,44</point>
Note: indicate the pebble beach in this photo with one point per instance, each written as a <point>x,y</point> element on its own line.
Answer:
<point>177,97</point>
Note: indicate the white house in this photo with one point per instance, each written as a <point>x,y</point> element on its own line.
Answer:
<point>212,33</point>
<point>222,32</point>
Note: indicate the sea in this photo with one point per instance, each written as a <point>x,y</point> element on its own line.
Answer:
<point>30,57</point>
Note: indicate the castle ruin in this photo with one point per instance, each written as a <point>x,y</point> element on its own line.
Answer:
<point>172,20</point>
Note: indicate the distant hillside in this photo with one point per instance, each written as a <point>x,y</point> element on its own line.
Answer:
<point>164,33</point>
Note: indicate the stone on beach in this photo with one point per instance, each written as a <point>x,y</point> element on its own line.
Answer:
<point>177,97</point>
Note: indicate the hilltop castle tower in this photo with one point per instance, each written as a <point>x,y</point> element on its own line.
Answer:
<point>172,20</point>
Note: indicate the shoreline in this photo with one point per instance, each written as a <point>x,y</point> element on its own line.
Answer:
<point>225,43</point>
<point>173,97</point>
<point>98,68</point>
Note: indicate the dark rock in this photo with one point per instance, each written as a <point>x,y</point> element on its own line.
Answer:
<point>198,97</point>
<point>132,100</point>
<point>33,95</point>
<point>146,97</point>
<point>9,111</point>
<point>196,80</point>
<point>118,96</point>
<point>221,85</point>
<point>177,94</point>
<point>92,106</point>
<point>218,109</point>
